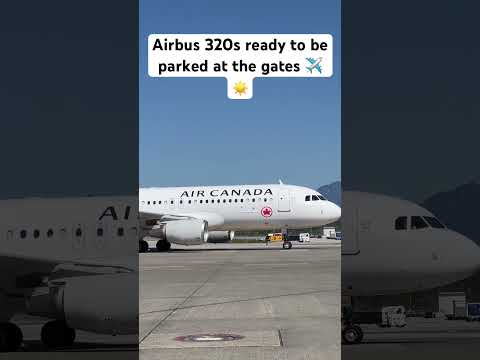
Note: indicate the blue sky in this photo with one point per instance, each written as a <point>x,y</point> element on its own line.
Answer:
<point>192,134</point>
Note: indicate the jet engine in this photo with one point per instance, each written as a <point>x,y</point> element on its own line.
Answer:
<point>220,236</point>
<point>104,304</point>
<point>183,232</point>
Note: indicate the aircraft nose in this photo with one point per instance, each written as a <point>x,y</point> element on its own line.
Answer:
<point>468,254</point>
<point>334,212</point>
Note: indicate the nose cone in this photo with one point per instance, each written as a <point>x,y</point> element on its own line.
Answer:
<point>469,254</point>
<point>460,255</point>
<point>333,212</point>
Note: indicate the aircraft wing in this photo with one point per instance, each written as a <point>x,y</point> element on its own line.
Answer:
<point>150,218</point>
<point>311,60</point>
<point>25,272</point>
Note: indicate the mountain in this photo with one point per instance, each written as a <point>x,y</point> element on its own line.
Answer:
<point>457,209</point>
<point>332,192</point>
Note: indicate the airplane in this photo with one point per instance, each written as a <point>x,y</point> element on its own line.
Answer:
<point>194,215</point>
<point>315,64</point>
<point>72,260</point>
<point>393,246</point>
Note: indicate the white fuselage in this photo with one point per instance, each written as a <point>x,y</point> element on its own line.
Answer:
<point>242,207</point>
<point>392,246</point>
<point>83,241</point>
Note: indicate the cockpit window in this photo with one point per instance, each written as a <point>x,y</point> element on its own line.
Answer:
<point>322,197</point>
<point>434,222</point>
<point>401,223</point>
<point>307,198</point>
<point>418,223</point>
<point>315,198</point>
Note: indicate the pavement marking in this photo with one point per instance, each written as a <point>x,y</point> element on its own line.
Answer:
<point>277,264</point>
<point>261,338</point>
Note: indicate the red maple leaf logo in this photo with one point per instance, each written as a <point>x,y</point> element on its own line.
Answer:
<point>266,211</point>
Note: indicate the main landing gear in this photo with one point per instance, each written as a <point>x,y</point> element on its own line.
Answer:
<point>142,246</point>
<point>11,337</point>
<point>163,245</point>
<point>54,334</point>
<point>57,334</point>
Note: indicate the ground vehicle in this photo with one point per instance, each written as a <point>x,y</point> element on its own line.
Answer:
<point>473,311</point>
<point>275,237</point>
<point>304,237</point>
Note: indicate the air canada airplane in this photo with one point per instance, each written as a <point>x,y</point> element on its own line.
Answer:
<point>194,215</point>
<point>71,260</point>
<point>393,246</point>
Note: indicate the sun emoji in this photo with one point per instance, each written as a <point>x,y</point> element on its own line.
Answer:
<point>240,88</point>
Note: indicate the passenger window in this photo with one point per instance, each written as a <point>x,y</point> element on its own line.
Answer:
<point>120,231</point>
<point>418,223</point>
<point>401,223</point>
<point>229,200</point>
<point>171,202</point>
<point>148,202</point>
<point>218,201</point>
<point>99,232</point>
<point>224,200</point>
<point>241,200</point>
<point>265,199</point>
<point>307,198</point>
<point>434,222</point>
<point>23,234</point>
<point>189,201</point>
<point>49,233</point>
<point>201,201</point>
<point>181,201</point>
<point>36,234</point>
<point>253,200</point>
<point>78,232</point>
<point>154,203</point>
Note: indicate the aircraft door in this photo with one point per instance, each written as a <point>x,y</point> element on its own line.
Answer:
<point>284,200</point>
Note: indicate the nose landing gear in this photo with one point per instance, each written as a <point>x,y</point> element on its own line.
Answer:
<point>287,244</point>
<point>352,334</point>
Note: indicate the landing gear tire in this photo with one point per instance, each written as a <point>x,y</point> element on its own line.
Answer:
<point>57,334</point>
<point>163,245</point>
<point>11,337</point>
<point>287,245</point>
<point>352,334</point>
<point>142,246</point>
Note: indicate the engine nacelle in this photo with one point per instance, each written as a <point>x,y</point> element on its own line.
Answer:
<point>220,236</point>
<point>104,304</point>
<point>183,232</point>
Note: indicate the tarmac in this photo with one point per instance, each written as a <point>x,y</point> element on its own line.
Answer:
<point>241,301</point>
<point>419,339</point>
